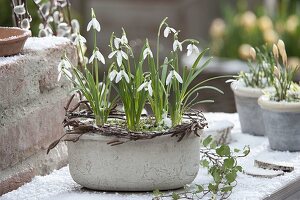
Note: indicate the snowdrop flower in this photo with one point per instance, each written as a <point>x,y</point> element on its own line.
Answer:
<point>123,40</point>
<point>75,25</point>
<point>172,74</point>
<point>57,18</point>
<point>79,40</point>
<point>147,52</point>
<point>64,66</point>
<point>168,30</point>
<point>177,45</point>
<point>97,55</point>
<point>25,24</point>
<point>20,9</point>
<point>166,120</point>
<point>45,8</point>
<point>191,48</point>
<point>37,1</point>
<point>120,55</point>
<point>122,74</point>
<point>112,75</point>
<point>147,87</point>
<point>43,33</point>
<point>95,24</point>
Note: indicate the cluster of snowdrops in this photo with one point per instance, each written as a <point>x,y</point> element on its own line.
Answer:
<point>169,94</point>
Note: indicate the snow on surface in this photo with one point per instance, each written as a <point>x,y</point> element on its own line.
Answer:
<point>34,44</point>
<point>59,185</point>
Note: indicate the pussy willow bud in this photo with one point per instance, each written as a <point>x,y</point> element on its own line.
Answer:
<point>252,53</point>
<point>281,48</point>
<point>275,52</point>
<point>276,72</point>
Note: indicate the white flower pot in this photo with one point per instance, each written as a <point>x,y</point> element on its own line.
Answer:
<point>250,114</point>
<point>143,165</point>
<point>282,123</point>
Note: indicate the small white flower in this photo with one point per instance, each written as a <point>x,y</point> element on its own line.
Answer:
<point>177,45</point>
<point>172,74</point>
<point>43,33</point>
<point>79,40</point>
<point>112,75</point>
<point>168,30</point>
<point>37,1</point>
<point>124,39</point>
<point>95,24</point>
<point>191,48</point>
<point>120,75</point>
<point>20,9</point>
<point>64,66</point>
<point>147,52</point>
<point>25,24</point>
<point>75,25</point>
<point>120,55</point>
<point>147,87</point>
<point>97,55</point>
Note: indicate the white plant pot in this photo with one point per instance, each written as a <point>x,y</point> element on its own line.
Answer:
<point>143,165</point>
<point>250,114</point>
<point>282,124</point>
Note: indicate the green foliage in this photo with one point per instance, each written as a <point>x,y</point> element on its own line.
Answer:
<point>260,72</point>
<point>240,25</point>
<point>222,165</point>
<point>284,74</point>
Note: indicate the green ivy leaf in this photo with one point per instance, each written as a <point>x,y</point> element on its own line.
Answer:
<point>207,140</point>
<point>213,145</point>
<point>157,193</point>
<point>175,196</point>
<point>236,150</point>
<point>239,168</point>
<point>228,163</point>
<point>230,177</point>
<point>223,150</point>
<point>204,163</point>
<point>199,188</point>
<point>227,189</point>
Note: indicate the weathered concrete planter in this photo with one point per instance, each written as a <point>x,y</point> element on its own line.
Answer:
<point>143,165</point>
<point>282,124</point>
<point>250,113</point>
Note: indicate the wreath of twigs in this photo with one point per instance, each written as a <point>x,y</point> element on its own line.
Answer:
<point>75,126</point>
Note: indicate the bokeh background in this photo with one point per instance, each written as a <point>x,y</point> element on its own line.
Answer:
<point>228,27</point>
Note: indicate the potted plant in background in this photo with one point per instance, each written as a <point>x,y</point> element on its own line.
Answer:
<point>127,150</point>
<point>281,108</point>
<point>249,87</point>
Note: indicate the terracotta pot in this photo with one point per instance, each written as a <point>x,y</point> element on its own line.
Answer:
<point>144,165</point>
<point>12,40</point>
<point>282,125</point>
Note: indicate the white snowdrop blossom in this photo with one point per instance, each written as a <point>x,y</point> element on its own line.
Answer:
<point>191,48</point>
<point>177,45</point>
<point>112,75</point>
<point>120,55</point>
<point>168,30</point>
<point>122,74</point>
<point>63,67</point>
<point>166,120</point>
<point>95,24</point>
<point>171,75</point>
<point>79,40</point>
<point>25,24</point>
<point>147,87</point>
<point>147,52</point>
<point>75,25</point>
<point>37,1</point>
<point>97,55</point>
<point>20,9</point>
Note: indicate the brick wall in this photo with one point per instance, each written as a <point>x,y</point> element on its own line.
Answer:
<point>31,110</point>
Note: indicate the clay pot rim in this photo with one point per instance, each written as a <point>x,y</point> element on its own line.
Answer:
<point>239,89</point>
<point>23,34</point>
<point>282,106</point>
